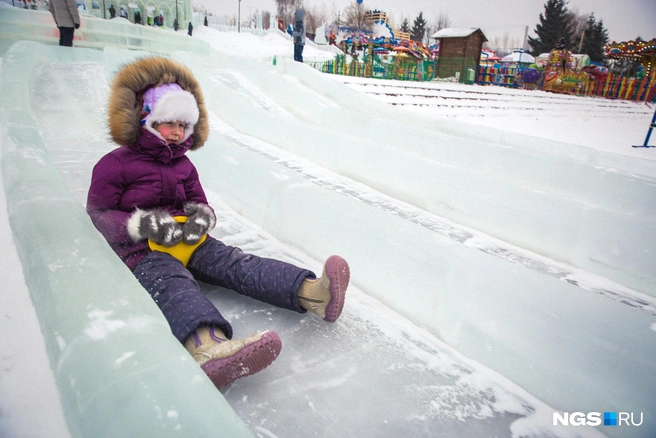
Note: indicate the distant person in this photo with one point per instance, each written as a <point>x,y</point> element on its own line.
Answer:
<point>176,25</point>
<point>123,13</point>
<point>332,39</point>
<point>67,19</point>
<point>137,17</point>
<point>298,35</point>
<point>562,45</point>
<point>190,29</point>
<point>147,200</point>
<point>206,22</point>
<point>112,11</point>
<point>161,20</point>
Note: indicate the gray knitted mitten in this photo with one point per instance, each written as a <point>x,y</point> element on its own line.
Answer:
<point>200,221</point>
<point>157,225</point>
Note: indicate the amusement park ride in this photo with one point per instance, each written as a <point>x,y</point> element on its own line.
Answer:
<point>645,51</point>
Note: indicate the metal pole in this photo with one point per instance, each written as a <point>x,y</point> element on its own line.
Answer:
<point>239,17</point>
<point>176,12</point>
<point>652,125</point>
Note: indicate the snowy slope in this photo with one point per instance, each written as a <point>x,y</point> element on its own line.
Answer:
<point>419,279</point>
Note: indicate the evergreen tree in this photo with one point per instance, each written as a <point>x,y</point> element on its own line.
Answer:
<point>418,28</point>
<point>555,24</point>
<point>405,26</point>
<point>595,37</point>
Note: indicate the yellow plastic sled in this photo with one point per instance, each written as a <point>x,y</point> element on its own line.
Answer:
<point>181,251</point>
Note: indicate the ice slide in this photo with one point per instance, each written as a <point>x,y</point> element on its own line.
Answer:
<point>374,369</point>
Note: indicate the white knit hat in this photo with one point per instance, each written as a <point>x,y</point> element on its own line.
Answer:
<point>168,103</point>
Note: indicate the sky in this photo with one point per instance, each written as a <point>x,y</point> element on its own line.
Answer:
<point>624,20</point>
<point>299,166</point>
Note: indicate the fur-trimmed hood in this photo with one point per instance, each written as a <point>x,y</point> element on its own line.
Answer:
<point>126,97</point>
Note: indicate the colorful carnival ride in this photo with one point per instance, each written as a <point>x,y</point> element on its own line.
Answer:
<point>387,57</point>
<point>644,51</point>
<point>560,75</point>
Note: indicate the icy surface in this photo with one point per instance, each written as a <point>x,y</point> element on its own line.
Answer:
<point>446,330</point>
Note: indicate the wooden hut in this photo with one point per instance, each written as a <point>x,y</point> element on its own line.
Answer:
<point>459,53</point>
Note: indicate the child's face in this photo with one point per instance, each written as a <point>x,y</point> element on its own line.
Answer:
<point>171,131</point>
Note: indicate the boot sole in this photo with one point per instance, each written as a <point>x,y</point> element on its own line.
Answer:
<point>249,360</point>
<point>339,274</point>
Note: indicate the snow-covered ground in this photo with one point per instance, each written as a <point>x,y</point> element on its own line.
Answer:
<point>468,315</point>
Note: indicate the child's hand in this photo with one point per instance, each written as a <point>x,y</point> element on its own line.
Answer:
<point>156,225</point>
<point>200,221</point>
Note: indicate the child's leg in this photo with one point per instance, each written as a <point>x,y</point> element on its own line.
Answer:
<point>178,295</point>
<point>198,324</point>
<point>272,281</point>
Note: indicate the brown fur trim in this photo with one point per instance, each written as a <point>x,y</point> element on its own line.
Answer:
<point>126,97</point>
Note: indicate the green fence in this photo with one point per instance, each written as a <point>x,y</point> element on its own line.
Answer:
<point>402,68</point>
<point>405,69</point>
<point>463,69</point>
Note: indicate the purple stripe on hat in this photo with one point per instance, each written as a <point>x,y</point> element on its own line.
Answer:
<point>152,95</point>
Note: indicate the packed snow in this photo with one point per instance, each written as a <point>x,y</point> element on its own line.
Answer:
<point>501,244</point>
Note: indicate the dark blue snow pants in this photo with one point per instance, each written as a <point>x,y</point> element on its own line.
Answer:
<point>177,293</point>
<point>298,52</point>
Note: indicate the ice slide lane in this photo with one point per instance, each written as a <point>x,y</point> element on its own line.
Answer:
<point>464,235</point>
<point>373,372</point>
<point>109,347</point>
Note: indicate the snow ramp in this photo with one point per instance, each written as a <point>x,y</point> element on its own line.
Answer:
<point>470,343</point>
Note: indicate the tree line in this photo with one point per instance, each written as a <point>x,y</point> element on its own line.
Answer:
<point>581,33</point>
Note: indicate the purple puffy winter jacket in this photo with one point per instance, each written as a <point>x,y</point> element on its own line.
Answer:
<point>146,175</point>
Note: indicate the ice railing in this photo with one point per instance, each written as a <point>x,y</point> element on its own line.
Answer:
<point>94,33</point>
<point>109,346</point>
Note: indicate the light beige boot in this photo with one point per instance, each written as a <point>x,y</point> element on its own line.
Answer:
<point>225,360</point>
<point>324,296</point>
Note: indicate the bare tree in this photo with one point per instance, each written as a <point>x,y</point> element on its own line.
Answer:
<point>314,17</point>
<point>504,42</point>
<point>335,15</point>
<point>579,24</point>
<point>441,21</point>
<point>354,17</point>
<point>286,9</point>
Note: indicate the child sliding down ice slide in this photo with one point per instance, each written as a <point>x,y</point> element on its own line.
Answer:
<point>147,194</point>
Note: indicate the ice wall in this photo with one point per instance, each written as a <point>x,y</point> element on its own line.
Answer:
<point>17,24</point>
<point>553,199</point>
<point>110,348</point>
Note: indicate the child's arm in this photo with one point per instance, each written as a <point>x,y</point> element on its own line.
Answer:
<point>107,187</point>
<point>193,188</point>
